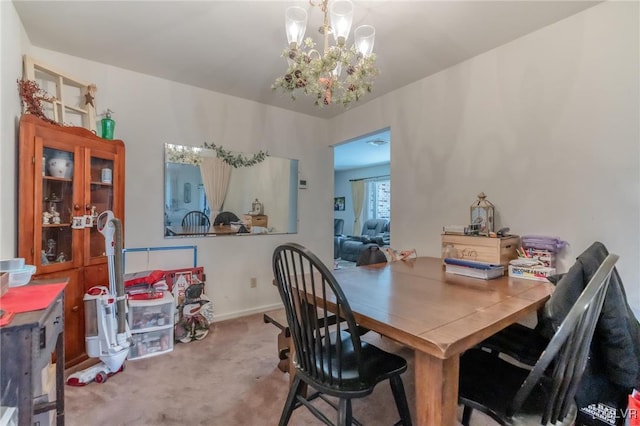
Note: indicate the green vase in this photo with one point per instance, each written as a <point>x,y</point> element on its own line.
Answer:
<point>108,126</point>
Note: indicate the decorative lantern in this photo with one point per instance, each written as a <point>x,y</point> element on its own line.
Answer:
<point>482,214</point>
<point>257,208</point>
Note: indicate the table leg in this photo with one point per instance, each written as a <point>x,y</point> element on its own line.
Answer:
<point>284,349</point>
<point>436,389</point>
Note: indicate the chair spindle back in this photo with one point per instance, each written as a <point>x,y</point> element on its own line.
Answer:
<point>308,290</point>
<point>569,348</point>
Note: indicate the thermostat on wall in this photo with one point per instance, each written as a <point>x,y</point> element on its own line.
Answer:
<point>302,184</point>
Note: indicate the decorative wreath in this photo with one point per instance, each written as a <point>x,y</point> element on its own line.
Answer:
<point>32,96</point>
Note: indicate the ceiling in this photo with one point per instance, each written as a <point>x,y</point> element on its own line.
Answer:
<point>366,151</point>
<point>234,47</point>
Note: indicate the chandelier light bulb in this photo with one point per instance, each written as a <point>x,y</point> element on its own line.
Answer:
<point>341,12</point>
<point>295,25</point>
<point>365,36</point>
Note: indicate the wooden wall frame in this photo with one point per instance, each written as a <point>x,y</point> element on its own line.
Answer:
<point>64,105</point>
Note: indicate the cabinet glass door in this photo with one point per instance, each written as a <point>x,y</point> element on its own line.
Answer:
<point>55,242</point>
<point>100,199</point>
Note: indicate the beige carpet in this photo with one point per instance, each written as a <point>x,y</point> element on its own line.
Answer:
<point>229,378</point>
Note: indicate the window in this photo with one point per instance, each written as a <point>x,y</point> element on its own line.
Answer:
<point>378,199</point>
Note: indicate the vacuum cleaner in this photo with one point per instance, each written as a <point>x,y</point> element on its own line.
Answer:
<point>107,334</point>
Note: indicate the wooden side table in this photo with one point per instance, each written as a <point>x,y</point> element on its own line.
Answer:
<point>26,346</point>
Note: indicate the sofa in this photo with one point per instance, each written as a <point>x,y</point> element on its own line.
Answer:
<point>373,234</point>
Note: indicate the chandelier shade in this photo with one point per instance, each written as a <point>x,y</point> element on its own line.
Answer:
<point>296,25</point>
<point>341,13</point>
<point>365,36</point>
<point>339,74</point>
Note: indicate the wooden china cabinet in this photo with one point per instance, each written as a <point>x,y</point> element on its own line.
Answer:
<point>67,177</point>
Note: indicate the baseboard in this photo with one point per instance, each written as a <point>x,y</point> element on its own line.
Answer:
<point>244,313</point>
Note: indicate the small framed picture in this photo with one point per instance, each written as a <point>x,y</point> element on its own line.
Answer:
<point>77,222</point>
<point>338,203</point>
<point>88,221</point>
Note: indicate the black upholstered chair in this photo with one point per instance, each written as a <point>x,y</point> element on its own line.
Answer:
<point>338,227</point>
<point>386,234</point>
<point>372,255</point>
<point>225,218</point>
<point>332,361</point>
<point>372,231</point>
<point>195,218</point>
<point>546,393</point>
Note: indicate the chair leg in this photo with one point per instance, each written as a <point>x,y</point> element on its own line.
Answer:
<point>296,386</point>
<point>345,417</point>
<point>466,415</point>
<point>397,388</point>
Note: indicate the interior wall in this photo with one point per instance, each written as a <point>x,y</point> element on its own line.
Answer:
<point>342,187</point>
<point>13,43</point>
<point>547,126</point>
<point>150,112</point>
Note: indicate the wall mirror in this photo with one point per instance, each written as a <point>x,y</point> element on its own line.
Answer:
<point>206,196</point>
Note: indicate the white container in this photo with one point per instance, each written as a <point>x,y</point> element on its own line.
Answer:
<point>19,273</point>
<point>7,265</point>
<point>106,176</point>
<point>151,314</point>
<point>151,343</point>
<point>60,166</point>
<point>21,276</point>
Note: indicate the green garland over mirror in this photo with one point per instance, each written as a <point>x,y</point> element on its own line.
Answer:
<point>193,155</point>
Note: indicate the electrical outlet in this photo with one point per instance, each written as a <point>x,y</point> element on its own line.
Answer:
<point>254,282</point>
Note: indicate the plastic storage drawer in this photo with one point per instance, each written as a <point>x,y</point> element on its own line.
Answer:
<point>151,314</point>
<point>151,343</point>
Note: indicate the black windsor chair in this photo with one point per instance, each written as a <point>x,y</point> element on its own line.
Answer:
<point>195,218</point>
<point>332,361</point>
<point>225,218</point>
<point>511,395</point>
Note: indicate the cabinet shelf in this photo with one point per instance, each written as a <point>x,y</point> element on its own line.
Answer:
<point>98,183</point>
<point>56,225</point>
<point>57,179</point>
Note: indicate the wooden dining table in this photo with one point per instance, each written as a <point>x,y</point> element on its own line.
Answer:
<point>439,315</point>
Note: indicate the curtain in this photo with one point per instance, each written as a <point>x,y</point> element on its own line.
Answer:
<point>357,194</point>
<point>215,177</point>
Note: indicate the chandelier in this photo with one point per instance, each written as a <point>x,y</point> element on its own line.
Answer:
<point>340,74</point>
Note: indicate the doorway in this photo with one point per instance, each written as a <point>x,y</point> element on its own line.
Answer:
<point>363,165</point>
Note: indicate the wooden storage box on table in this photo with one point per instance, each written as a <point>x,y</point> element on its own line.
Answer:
<point>481,249</point>
<point>255,220</point>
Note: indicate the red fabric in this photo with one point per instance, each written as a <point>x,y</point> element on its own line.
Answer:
<point>145,277</point>
<point>633,411</point>
<point>30,297</point>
